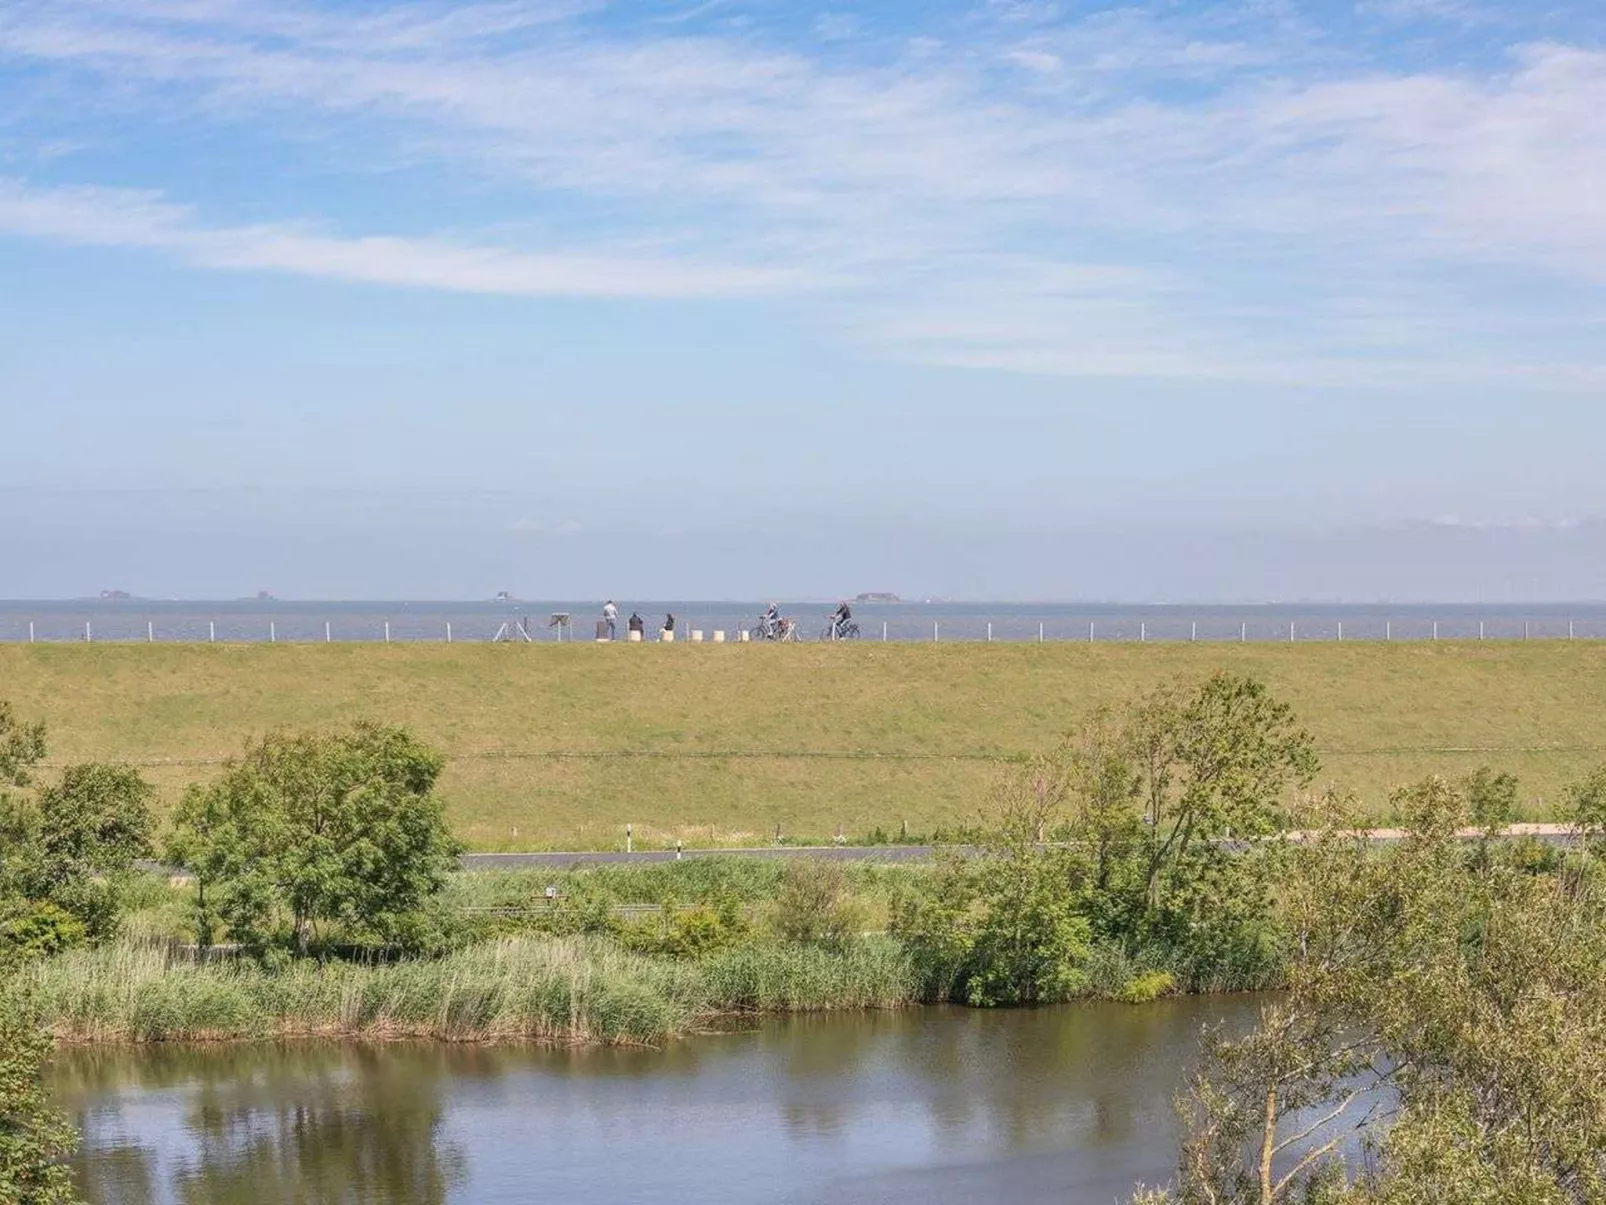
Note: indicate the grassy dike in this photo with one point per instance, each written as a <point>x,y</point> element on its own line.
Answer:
<point>559,746</point>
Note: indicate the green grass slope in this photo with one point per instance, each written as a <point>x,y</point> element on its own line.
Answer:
<point>562,745</point>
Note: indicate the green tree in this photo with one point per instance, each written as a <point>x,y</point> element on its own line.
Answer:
<point>67,848</point>
<point>34,1138</point>
<point>79,841</point>
<point>1586,804</point>
<point>1007,927</point>
<point>316,830</point>
<point>1476,987</point>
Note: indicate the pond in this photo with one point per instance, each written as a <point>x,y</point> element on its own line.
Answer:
<point>929,1105</point>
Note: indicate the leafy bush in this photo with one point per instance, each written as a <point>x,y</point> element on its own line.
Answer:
<point>1147,987</point>
<point>35,930</point>
<point>813,907</point>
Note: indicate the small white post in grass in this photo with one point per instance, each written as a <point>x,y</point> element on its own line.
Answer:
<point>1341,631</point>
<point>1243,633</point>
<point>1435,629</point>
<point>1090,631</point>
<point>387,631</point>
<point>1525,629</point>
<point>273,632</point>
<point>1388,629</point>
<point>1039,633</point>
<point>1194,635</point>
<point>150,632</point>
<point>88,635</point>
<point>935,634</point>
<point>1569,629</point>
<point>883,631</point>
<point>989,632</point>
<point>677,849</point>
<point>211,631</point>
<point>1290,632</point>
<point>30,631</point>
<point>630,838</point>
<point>328,635</point>
<point>448,631</point>
<point>1143,633</point>
<point>1480,629</point>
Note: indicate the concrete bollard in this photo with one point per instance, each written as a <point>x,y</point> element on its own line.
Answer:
<point>697,635</point>
<point>669,638</point>
<point>719,636</point>
<point>744,637</point>
<point>634,637</point>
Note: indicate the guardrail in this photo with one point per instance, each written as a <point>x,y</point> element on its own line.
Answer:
<point>724,629</point>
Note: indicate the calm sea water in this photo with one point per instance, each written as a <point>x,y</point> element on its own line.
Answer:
<point>254,620</point>
<point>920,1107</point>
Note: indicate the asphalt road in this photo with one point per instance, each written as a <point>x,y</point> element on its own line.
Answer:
<point>1551,834</point>
<point>833,853</point>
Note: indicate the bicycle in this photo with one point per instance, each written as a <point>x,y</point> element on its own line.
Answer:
<point>783,630</point>
<point>846,631</point>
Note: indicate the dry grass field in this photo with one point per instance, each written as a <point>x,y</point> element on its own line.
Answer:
<point>562,745</point>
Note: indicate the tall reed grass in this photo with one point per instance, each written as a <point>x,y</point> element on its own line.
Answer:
<point>559,990</point>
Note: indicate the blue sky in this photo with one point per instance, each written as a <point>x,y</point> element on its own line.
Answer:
<point>351,298</point>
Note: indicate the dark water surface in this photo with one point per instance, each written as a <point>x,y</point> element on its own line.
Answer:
<point>924,1106</point>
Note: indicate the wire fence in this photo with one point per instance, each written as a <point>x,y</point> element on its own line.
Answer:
<point>729,627</point>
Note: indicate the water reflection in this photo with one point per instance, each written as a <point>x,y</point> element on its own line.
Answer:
<point>1067,1104</point>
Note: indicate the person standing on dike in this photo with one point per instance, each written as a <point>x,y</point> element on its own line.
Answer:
<point>610,616</point>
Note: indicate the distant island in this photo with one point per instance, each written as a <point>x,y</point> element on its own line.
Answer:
<point>116,596</point>
<point>875,596</point>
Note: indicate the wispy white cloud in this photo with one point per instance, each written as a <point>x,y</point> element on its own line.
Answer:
<point>121,218</point>
<point>1140,192</point>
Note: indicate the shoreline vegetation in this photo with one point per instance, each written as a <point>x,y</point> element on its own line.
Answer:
<point>1137,856</point>
<point>551,747</point>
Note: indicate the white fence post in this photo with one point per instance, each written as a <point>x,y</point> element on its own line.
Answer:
<point>1341,631</point>
<point>1290,631</point>
<point>1090,631</point>
<point>1039,633</point>
<point>1194,635</point>
<point>934,635</point>
<point>883,631</point>
<point>88,635</point>
<point>30,631</point>
<point>448,631</point>
<point>1525,629</point>
<point>150,632</point>
<point>327,634</point>
<point>989,632</point>
<point>387,631</point>
<point>1435,629</point>
<point>1143,632</point>
<point>1569,629</point>
<point>273,632</point>
<point>1388,629</point>
<point>1480,629</point>
<point>1243,633</point>
<point>211,631</point>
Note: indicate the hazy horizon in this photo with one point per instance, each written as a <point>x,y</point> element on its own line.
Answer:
<point>1158,299</point>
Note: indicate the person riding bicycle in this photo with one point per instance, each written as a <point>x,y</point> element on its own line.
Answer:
<point>770,621</point>
<point>840,618</point>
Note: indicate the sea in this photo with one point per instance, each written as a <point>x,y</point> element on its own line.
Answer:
<point>260,620</point>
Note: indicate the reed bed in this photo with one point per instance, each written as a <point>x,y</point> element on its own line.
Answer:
<point>555,990</point>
